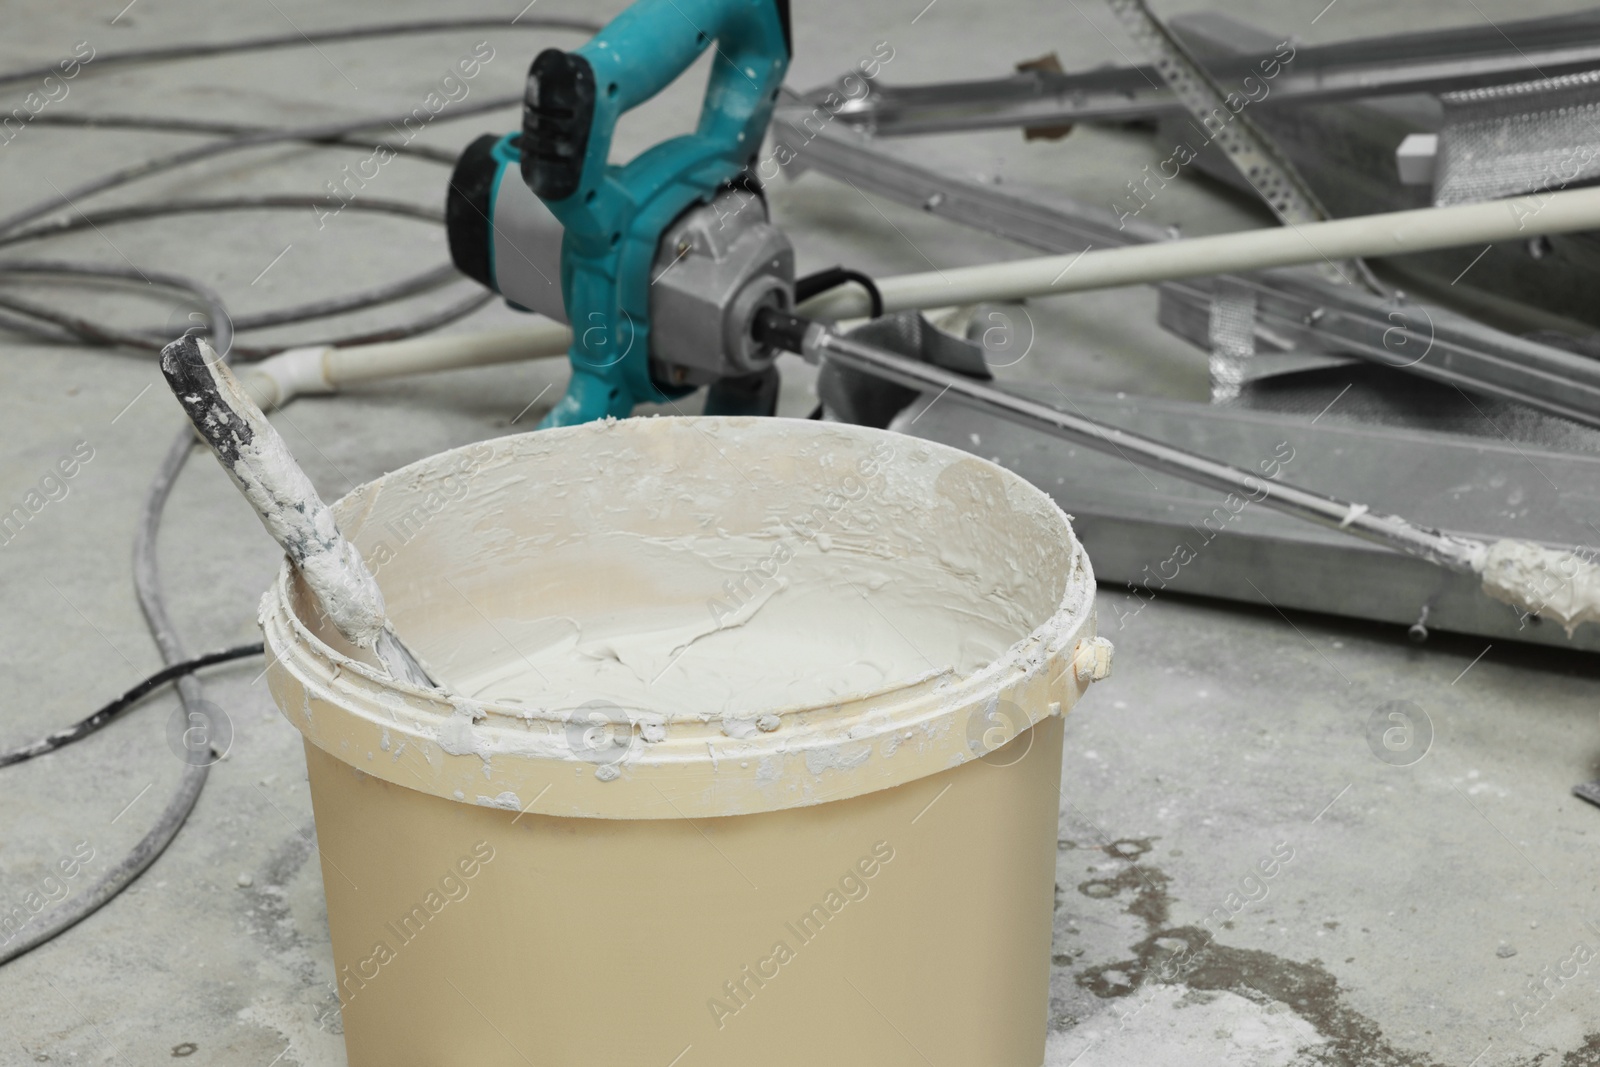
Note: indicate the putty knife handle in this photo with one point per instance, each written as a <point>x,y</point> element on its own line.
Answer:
<point>261,465</point>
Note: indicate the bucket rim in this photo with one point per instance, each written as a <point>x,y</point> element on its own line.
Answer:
<point>515,757</point>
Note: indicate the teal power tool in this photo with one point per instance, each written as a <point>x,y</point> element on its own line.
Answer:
<point>659,264</point>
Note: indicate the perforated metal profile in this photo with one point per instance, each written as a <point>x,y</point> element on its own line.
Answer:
<point>1505,140</point>
<point>1233,338</point>
<point>1250,150</point>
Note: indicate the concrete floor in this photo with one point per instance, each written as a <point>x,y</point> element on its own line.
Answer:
<point>1419,904</point>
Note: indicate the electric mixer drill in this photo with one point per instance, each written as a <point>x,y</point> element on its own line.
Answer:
<point>672,276</point>
<point>660,265</point>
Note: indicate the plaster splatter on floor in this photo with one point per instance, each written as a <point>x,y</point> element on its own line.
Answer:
<point>1178,996</point>
<point>1177,1027</point>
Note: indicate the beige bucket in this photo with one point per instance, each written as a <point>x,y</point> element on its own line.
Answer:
<point>756,758</point>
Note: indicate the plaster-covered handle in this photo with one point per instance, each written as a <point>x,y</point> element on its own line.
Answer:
<point>261,465</point>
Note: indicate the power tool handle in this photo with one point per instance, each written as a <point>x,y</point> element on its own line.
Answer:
<point>574,99</point>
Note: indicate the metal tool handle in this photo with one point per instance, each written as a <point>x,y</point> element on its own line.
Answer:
<point>815,342</point>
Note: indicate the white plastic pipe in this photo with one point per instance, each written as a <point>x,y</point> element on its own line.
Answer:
<point>1368,236</point>
<point>324,369</point>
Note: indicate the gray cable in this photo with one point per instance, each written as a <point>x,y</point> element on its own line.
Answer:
<point>421,324</point>
<point>75,328</point>
<point>68,327</point>
<point>231,129</point>
<point>147,586</point>
<point>302,40</point>
<point>336,305</point>
<point>78,329</point>
<point>46,926</point>
<point>156,164</point>
<point>109,335</point>
<point>161,208</point>
<point>146,573</point>
<point>37,330</point>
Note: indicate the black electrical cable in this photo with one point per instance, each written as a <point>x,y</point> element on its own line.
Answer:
<point>258,136</point>
<point>416,283</point>
<point>320,132</point>
<point>831,278</point>
<point>105,715</point>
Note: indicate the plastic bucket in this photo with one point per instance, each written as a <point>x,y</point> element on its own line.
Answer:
<point>756,760</point>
